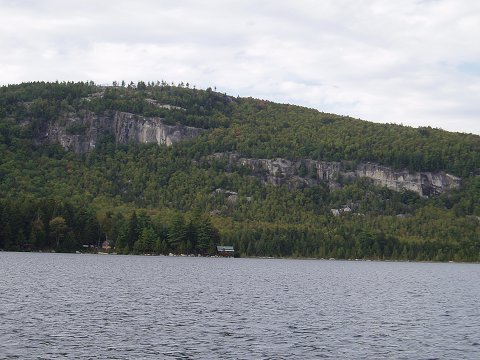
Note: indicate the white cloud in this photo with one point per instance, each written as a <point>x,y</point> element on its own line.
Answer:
<point>410,62</point>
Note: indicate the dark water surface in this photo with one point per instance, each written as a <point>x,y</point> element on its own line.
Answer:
<point>139,307</point>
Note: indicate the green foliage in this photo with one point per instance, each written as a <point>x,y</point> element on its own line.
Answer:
<point>262,129</point>
<point>158,199</point>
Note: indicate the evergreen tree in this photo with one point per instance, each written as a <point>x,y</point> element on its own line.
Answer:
<point>177,233</point>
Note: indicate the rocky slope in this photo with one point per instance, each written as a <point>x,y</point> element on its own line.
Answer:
<point>79,132</point>
<point>424,183</point>
<point>308,172</point>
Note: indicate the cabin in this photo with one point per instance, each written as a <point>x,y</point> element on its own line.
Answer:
<point>227,251</point>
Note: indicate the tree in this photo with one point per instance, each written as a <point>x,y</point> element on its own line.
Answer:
<point>122,239</point>
<point>37,233</point>
<point>132,230</point>
<point>58,229</point>
<point>147,240</point>
<point>177,233</point>
<point>207,236</point>
<point>191,237</point>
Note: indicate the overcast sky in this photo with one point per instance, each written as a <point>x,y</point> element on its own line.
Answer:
<point>415,62</point>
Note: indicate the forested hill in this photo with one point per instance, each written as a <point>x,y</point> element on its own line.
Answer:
<point>158,168</point>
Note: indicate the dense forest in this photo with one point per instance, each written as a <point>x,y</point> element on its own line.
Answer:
<point>158,199</point>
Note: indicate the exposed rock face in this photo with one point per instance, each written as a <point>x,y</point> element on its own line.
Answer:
<point>281,171</point>
<point>423,183</point>
<point>306,172</point>
<point>79,132</point>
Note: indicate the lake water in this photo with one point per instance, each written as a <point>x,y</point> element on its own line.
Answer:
<point>140,307</point>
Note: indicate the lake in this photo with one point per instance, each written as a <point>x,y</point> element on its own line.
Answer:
<point>153,307</point>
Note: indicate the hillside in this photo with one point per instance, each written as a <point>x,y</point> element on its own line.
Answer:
<point>157,168</point>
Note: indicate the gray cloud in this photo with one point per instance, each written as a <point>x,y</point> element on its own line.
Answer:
<point>410,62</point>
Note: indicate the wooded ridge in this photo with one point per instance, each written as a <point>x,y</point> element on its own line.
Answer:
<point>159,168</point>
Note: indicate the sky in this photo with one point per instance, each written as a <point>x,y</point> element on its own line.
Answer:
<point>411,62</point>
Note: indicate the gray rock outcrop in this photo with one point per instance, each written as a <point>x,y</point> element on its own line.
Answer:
<point>79,132</point>
<point>306,172</point>
<point>423,183</point>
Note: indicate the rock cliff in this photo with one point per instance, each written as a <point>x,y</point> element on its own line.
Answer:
<point>79,132</point>
<point>306,172</point>
<point>424,183</point>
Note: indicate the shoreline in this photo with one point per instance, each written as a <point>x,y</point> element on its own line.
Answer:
<point>250,257</point>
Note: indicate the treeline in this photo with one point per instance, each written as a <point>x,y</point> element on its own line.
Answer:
<point>41,103</point>
<point>142,234</point>
<point>345,241</point>
<point>34,225</point>
<point>46,224</point>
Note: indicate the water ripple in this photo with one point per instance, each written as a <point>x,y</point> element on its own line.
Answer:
<point>56,306</point>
